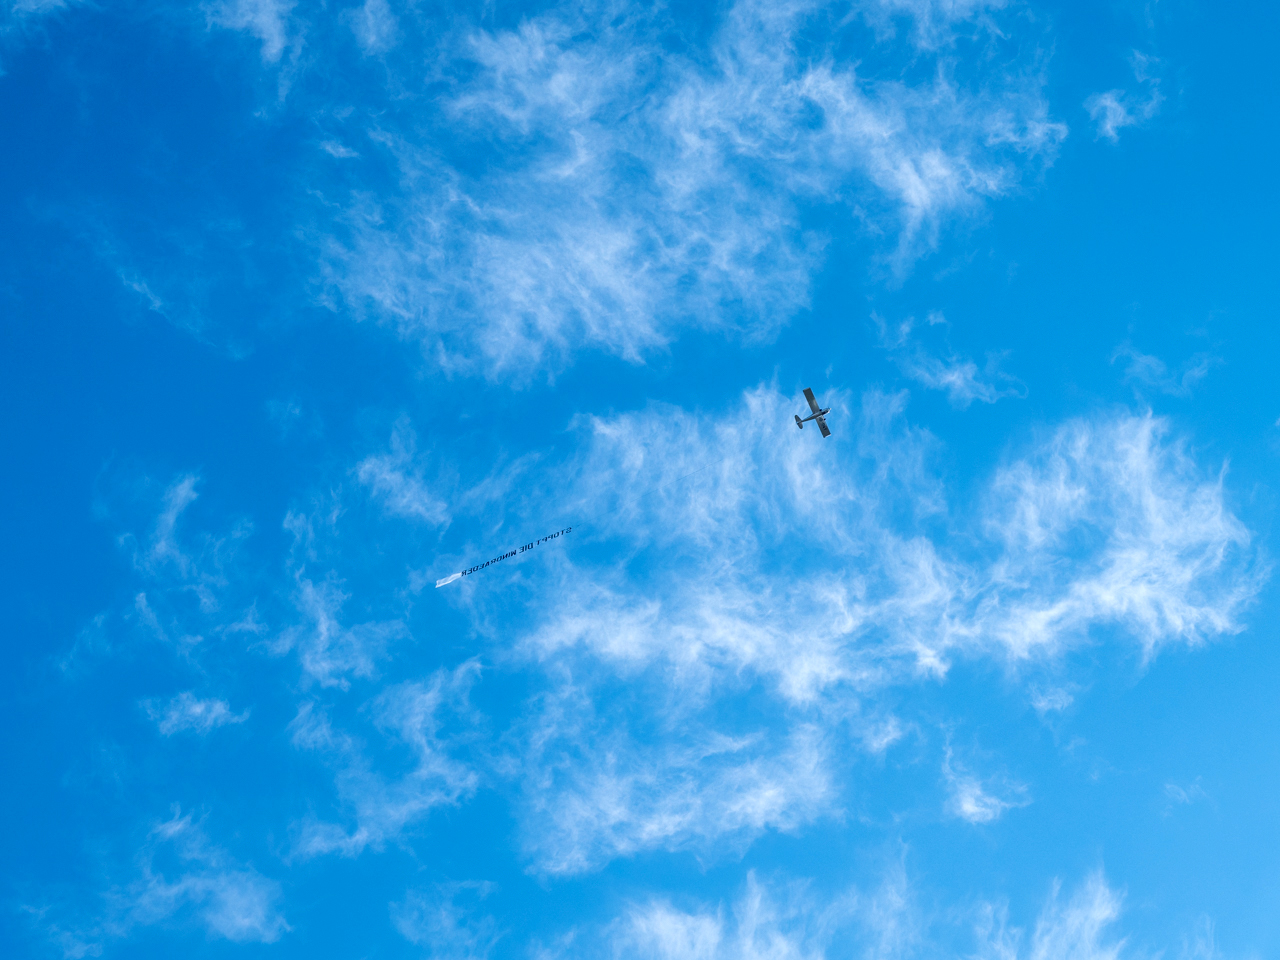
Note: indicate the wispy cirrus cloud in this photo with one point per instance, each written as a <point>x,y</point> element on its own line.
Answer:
<point>933,23</point>
<point>583,181</point>
<point>397,480</point>
<point>376,26</point>
<point>1113,110</point>
<point>1153,546</point>
<point>189,581</point>
<point>1183,794</point>
<point>197,567</point>
<point>1200,944</point>
<point>961,379</point>
<point>633,191</point>
<point>957,376</point>
<point>19,19</point>
<point>232,900</point>
<point>268,21</point>
<point>448,920</point>
<point>1078,927</point>
<point>179,876</point>
<point>186,711</point>
<point>1115,494</point>
<point>634,734</point>
<point>977,799</point>
<point>330,653</point>
<point>1149,371</point>
<point>414,716</point>
<point>1102,528</point>
<point>589,799</point>
<point>775,918</point>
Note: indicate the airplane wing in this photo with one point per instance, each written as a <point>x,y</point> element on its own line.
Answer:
<point>813,404</point>
<point>822,425</point>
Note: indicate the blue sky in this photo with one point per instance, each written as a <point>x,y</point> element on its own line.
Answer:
<point>306,306</point>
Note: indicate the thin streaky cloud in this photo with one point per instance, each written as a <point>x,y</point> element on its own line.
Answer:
<point>444,279</point>
<point>179,876</point>
<point>1149,371</point>
<point>268,21</point>
<point>977,800</point>
<point>1173,563</point>
<point>397,480</point>
<point>378,807</point>
<point>957,376</point>
<point>187,712</point>
<point>1184,794</point>
<point>589,801</point>
<point>449,920</point>
<point>635,193</point>
<point>1156,558</point>
<point>775,918</point>
<point>901,592</point>
<point>330,653</point>
<point>1113,110</point>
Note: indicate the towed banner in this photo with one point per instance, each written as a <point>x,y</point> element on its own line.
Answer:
<point>506,556</point>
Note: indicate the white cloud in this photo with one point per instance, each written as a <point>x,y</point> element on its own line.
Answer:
<point>1152,543</point>
<point>1076,930</point>
<point>933,22</point>
<point>1104,529</point>
<point>267,20</point>
<point>165,262</point>
<point>163,554</point>
<point>1114,110</point>
<point>765,922</point>
<point>375,26</point>
<point>447,921</point>
<point>786,921</point>
<point>140,286</point>
<point>190,579</point>
<point>413,715</point>
<point>329,653</point>
<point>188,712</point>
<point>633,192</point>
<point>1184,794</point>
<point>724,545</point>
<point>203,884</point>
<point>1200,945</point>
<point>28,7</point>
<point>959,377</point>
<point>232,900</point>
<point>1072,930</point>
<point>977,801</point>
<point>17,16</point>
<point>1051,699</point>
<point>338,150</point>
<point>746,564</point>
<point>398,481</point>
<point>1109,112</point>
<point>1109,523</point>
<point>591,800</point>
<point>1152,372</point>
<point>92,641</point>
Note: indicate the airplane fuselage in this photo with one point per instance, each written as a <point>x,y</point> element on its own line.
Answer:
<point>818,413</point>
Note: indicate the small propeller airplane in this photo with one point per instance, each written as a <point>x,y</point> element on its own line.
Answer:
<point>818,414</point>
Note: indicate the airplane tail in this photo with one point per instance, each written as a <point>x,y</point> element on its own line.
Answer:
<point>798,423</point>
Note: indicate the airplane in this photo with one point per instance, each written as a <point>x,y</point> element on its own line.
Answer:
<point>818,414</point>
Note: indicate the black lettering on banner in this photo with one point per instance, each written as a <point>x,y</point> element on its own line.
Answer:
<point>506,556</point>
